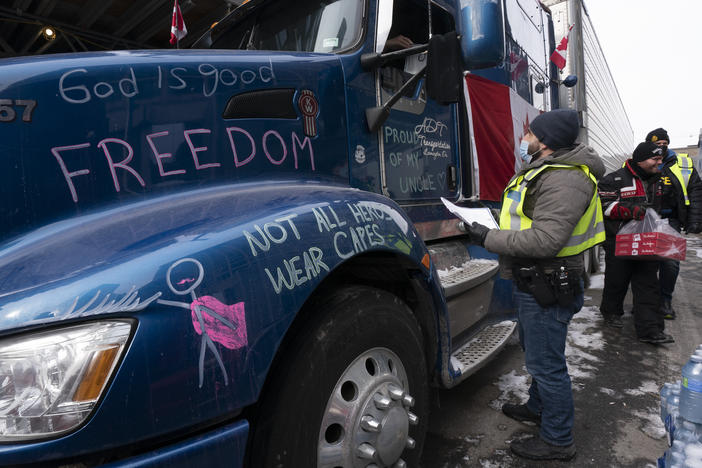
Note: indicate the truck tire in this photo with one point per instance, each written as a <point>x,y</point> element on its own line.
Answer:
<point>352,393</point>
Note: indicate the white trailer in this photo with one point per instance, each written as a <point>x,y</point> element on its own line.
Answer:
<point>606,126</point>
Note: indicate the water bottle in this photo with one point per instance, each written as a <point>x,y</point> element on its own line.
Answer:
<point>687,432</point>
<point>665,391</point>
<point>693,455</point>
<point>677,459</point>
<point>672,420</point>
<point>691,390</point>
<point>678,462</point>
<point>676,454</point>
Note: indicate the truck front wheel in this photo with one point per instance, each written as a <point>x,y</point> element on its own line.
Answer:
<point>354,391</point>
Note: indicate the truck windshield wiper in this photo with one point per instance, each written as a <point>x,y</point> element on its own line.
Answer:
<point>250,44</point>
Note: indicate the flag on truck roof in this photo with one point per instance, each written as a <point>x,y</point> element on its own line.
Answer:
<point>178,29</point>
<point>559,55</point>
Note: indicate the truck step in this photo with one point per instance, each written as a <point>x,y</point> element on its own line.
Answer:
<point>467,276</point>
<point>479,349</point>
<point>457,270</point>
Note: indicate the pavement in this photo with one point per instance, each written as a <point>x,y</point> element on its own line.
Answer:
<point>616,384</point>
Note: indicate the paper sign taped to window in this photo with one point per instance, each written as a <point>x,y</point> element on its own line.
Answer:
<point>414,63</point>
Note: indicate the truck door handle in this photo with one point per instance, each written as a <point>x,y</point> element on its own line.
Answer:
<point>265,103</point>
<point>451,177</point>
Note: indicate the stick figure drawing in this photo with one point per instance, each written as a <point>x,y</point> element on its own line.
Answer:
<point>213,320</point>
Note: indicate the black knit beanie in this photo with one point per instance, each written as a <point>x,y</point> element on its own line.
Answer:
<point>657,134</point>
<point>645,151</point>
<point>556,129</point>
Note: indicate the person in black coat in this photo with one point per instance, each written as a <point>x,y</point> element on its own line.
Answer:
<point>681,204</point>
<point>626,194</point>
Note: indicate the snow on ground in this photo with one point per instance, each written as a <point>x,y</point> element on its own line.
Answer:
<point>583,336</point>
<point>513,389</point>
<point>474,440</point>
<point>597,281</point>
<point>647,386</point>
<point>693,243</point>
<point>501,459</point>
<point>651,422</point>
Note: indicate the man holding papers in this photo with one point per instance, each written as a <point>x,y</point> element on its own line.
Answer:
<point>551,213</point>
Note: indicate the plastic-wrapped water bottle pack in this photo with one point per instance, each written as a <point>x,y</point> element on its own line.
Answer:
<point>681,412</point>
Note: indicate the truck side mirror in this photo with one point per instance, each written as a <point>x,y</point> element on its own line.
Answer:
<point>444,68</point>
<point>481,25</point>
<point>568,82</point>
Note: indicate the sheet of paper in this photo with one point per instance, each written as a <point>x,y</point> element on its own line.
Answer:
<point>481,215</point>
<point>414,63</point>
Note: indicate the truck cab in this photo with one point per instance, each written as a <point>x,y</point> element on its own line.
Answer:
<point>237,254</point>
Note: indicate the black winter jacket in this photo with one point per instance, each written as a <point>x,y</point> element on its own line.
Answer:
<point>673,202</point>
<point>622,193</point>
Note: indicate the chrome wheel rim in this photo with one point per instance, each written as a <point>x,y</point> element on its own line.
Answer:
<point>367,417</point>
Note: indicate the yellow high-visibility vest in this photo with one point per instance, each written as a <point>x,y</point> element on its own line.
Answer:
<point>589,230</point>
<point>682,170</point>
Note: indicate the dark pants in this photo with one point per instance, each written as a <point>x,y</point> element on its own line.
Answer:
<point>668,269</point>
<point>668,274</point>
<point>542,334</point>
<point>643,276</point>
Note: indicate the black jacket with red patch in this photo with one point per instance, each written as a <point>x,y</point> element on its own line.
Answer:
<point>625,195</point>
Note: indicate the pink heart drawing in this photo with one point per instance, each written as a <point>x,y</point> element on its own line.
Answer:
<point>218,330</point>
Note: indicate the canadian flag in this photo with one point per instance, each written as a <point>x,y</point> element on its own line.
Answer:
<point>498,118</point>
<point>559,55</point>
<point>178,29</point>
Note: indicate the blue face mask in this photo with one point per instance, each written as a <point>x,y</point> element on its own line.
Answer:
<point>524,151</point>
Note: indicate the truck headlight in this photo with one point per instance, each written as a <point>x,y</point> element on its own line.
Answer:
<point>50,381</point>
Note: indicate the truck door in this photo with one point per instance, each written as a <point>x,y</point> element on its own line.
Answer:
<point>418,142</point>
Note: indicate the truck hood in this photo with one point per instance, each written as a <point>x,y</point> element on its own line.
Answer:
<point>97,129</point>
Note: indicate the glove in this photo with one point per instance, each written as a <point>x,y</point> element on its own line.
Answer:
<point>625,211</point>
<point>638,212</point>
<point>477,233</point>
<point>694,228</point>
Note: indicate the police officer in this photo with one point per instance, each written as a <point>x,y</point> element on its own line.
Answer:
<point>681,205</point>
<point>626,194</point>
<point>550,214</point>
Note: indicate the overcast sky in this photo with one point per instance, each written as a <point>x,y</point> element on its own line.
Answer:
<point>654,51</point>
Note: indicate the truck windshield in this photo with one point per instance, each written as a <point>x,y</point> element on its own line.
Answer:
<point>302,26</point>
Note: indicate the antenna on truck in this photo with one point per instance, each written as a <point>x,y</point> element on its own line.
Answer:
<point>429,14</point>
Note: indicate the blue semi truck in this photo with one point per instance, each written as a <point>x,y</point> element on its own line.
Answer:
<point>236,255</point>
